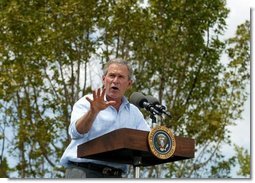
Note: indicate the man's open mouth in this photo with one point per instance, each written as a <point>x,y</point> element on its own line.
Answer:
<point>115,88</point>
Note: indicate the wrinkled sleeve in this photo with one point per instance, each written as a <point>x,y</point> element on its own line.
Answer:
<point>141,122</point>
<point>79,109</point>
<point>142,125</point>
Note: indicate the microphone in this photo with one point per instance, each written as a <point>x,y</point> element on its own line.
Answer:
<point>139,100</point>
<point>152,100</point>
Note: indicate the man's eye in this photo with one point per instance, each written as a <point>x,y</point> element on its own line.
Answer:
<point>112,75</point>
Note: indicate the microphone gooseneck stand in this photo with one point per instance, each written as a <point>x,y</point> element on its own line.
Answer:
<point>152,105</point>
<point>137,161</point>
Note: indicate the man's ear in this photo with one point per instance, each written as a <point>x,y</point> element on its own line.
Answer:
<point>130,83</point>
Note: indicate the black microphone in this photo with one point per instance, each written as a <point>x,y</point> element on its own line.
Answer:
<point>139,100</point>
<point>152,100</point>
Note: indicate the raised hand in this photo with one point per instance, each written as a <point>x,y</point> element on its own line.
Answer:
<point>98,103</point>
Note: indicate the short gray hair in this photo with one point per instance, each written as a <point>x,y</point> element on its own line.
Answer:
<point>121,62</point>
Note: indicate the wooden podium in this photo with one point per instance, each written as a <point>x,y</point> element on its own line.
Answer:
<point>129,146</point>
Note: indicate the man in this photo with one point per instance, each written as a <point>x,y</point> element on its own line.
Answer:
<point>107,109</point>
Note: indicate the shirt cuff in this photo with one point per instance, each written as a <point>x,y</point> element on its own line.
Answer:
<point>73,132</point>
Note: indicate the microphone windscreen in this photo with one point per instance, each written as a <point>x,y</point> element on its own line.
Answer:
<point>137,99</point>
<point>152,100</point>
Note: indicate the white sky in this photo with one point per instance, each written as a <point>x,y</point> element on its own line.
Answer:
<point>239,12</point>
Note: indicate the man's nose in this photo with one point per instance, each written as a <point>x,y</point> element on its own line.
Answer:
<point>115,80</point>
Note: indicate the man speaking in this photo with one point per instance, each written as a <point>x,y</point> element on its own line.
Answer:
<point>101,112</point>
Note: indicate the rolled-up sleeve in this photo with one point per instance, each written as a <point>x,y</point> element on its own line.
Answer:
<point>80,108</point>
<point>74,134</point>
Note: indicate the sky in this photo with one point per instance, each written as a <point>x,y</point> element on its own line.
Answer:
<point>239,12</point>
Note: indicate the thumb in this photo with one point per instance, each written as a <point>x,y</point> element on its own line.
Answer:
<point>110,103</point>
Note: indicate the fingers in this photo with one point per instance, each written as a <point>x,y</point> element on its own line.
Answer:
<point>111,103</point>
<point>97,94</point>
<point>103,92</point>
<point>98,102</point>
<point>94,94</point>
<point>88,99</point>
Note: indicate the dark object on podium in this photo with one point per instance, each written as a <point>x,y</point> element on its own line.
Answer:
<point>124,145</point>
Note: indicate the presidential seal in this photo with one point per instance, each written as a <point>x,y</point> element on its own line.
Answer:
<point>161,142</point>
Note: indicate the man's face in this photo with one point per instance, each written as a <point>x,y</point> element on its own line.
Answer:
<point>116,81</point>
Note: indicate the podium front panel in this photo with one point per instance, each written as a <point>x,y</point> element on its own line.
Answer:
<point>123,145</point>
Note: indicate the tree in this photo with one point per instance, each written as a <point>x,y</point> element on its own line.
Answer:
<point>47,49</point>
<point>40,46</point>
<point>244,160</point>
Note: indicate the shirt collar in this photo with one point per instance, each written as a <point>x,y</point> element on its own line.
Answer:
<point>125,103</point>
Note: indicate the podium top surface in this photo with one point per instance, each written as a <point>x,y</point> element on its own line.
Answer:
<point>126,145</point>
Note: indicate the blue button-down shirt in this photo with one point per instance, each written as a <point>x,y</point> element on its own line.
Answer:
<point>107,120</point>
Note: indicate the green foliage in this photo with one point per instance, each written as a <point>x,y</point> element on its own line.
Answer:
<point>222,169</point>
<point>4,170</point>
<point>244,160</point>
<point>48,50</point>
